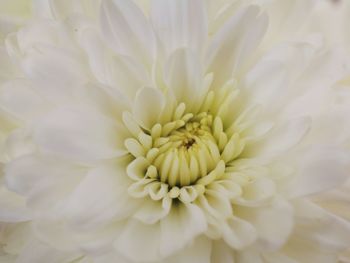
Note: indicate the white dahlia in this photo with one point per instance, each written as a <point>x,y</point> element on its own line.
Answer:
<point>181,131</point>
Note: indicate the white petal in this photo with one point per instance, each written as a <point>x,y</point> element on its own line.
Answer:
<point>273,223</point>
<point>198,252</point>
<point>12,207</point>
<point>320,168</point>
<point>148,106</point>
<point>44,181</point>
<point>152,211</point>
<point>55,71</point>
<point>180,24</point>
<point>280,138</point>
<point>100,198</point>
<point>183,76</point>
<point>128,75</point>
<point>321,228</point>
<point>238,233</point>
<point>233,44</point>
<point>105,99</point>
<point>63,8</point>
<point>216,204</point>
<point>257,192</point>
<point>18,98</point>
<point>222,253</point>
<point>123,72</point>
<point>127,30</point>
<point>278,258</point>
<point>79,135</point>
<point>180,227</point>
<point>7,68</point>
<point>44,254</point>
<point>139,242</point>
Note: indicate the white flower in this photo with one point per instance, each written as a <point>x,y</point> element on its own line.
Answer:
<point>185,131</point>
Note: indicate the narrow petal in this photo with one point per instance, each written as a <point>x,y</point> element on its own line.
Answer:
<point>282,137</point>
<point>198,252</point>
<point>79,135</point>
<point>233,44</point>
<point>12,207</point>
<point>148,106</point>
<point>320,168</point>
<point>44,181</point>
<point>139,242</point>
<point>180,227</point>
<point>273,223</point>
<point>180,24</point>
<point>126,28</point>
<point>183,76</point>
<point>99,198</point>
<point>18,98</point>
<point>238,233</point>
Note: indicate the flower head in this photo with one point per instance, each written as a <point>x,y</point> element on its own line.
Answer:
<point>178,134</point>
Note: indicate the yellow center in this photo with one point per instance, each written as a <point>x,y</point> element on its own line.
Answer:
<point>182,156</point>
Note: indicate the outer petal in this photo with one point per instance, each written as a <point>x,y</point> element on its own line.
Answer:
<point>127,30</point>
<point>238,233</point>
<point>44,181</point>
<point>180,227</point>
<point>320,168</point>
<point>232,45</point>
<point>43,254</point>
<point>180,24</point>
<point>281,138</point>
<point>183,76</point>
<point>148,106</point>
<point>79,135</point>
<point>139,242</point>
<point>100,198</point>
<point>198,252</point>
<point>18,98</point>
<point>12,207</point>
<point>273,223</point>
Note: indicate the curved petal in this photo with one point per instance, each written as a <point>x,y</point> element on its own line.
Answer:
<point>99,198</point>
<point>198,252</point>
<point>180,24</point>
<point>282,137</point>
<point>180,227</point>
<point>148,106</point>
<point>238,233</point>
<point>233,44</point>
<point>127,30</point>
<point>44,181</point>
<point>139,242</point>
<point>152,211</point>
<point>18,98</point>
<point>12,207</point>
<point>82,136</point>
<point>320,168</point>
<point>273,223</point>
<point>183,76</point>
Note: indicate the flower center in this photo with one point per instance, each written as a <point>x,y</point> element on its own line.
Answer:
<point>182,156</point>
<point>190,153</point>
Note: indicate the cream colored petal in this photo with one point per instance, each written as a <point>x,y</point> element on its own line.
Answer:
<point>80,135</point>
<point>148,106</point>
<point>234,43</point>
<point>180,24</point>
<point>273,223</point>
<point>183,76</point>
<point>127,31</point>
<point>180,227</point>
<point>139,242</point>
<point>238,233</point>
